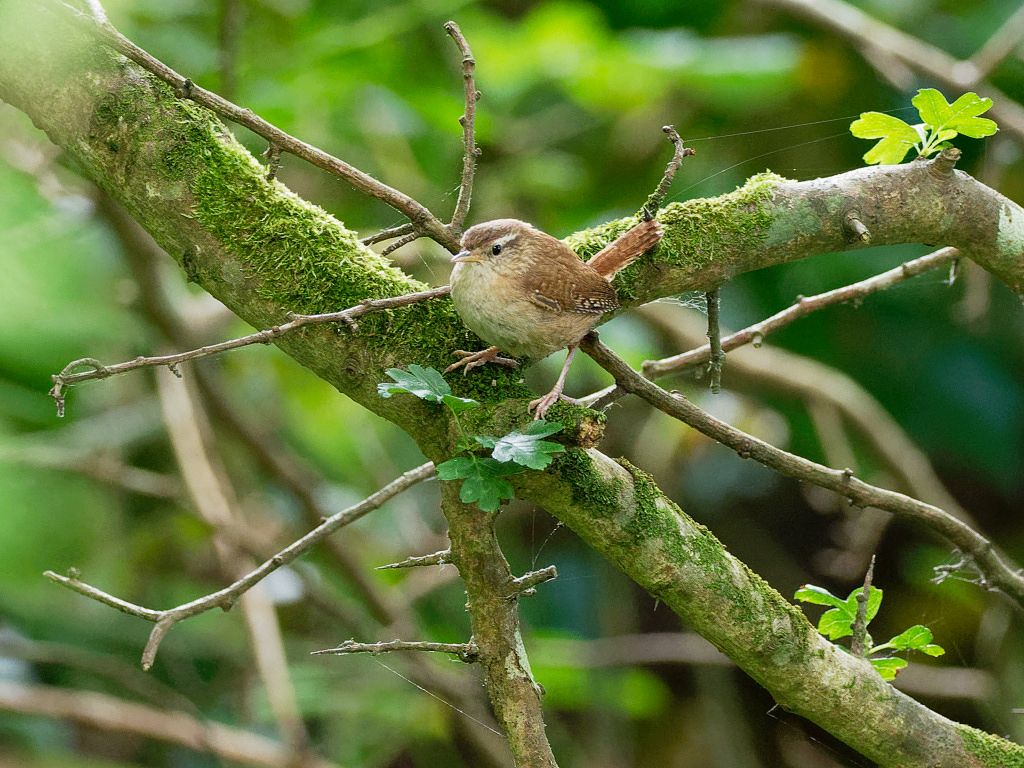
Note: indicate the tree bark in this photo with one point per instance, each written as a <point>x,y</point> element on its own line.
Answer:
<point>263,251</point>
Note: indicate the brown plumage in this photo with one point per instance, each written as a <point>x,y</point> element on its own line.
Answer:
<point>529,294</point>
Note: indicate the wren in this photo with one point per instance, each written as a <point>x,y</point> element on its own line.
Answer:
<point>528,294</point>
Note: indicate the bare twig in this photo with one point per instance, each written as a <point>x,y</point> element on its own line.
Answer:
<point>527,583</point>
<point>226,597</point>
<point>387,234</point>
<point>717,355</point>
<point>401,242</point>
<point>67,376</point>
<point>470,150</point>
<point>109,713</point>
<point>999,572</point>
<point>653,203</point>
<point>421,218</point>
<point>858,642</point>
<point>756,333</point>
<point>437,558</point>
<point>467,652</point>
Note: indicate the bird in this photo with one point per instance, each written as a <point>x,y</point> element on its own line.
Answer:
<point>528,294</point>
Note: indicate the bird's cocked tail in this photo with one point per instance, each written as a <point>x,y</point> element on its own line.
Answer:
<point>625,249</point>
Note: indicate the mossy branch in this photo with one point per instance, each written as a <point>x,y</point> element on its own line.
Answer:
<point>619,511</point>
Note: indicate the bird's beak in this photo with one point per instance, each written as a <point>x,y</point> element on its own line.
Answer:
<point>464,256</point>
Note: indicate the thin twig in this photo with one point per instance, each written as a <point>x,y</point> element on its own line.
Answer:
<point>387,234</point>
<point>1000,573</point>
<point>226,597</point>
<point>437,558</point>
<point>755,334</point>
<point>717,355</point>
<point>392,247</point>
<point>858,642</point>
<point>98,370</point>
<point>527,583</point>
<point>421,218</point>
<point>650,209</point>
<point>467,652</point>
<point>470,151</point>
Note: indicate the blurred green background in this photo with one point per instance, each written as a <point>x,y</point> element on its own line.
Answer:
<point>574,96</point>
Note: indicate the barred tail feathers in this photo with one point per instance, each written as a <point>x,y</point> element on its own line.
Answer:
<point>625,249</point>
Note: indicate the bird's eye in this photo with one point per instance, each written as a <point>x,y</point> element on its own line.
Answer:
<point>496,249</point>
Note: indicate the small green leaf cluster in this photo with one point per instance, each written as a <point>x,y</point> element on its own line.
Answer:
<point>484,478</point>
<point>940,123</point>
<point>837,622</point>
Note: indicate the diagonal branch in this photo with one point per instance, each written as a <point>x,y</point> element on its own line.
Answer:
<point>999,572</point>
<point>805,305</point>
<point>97,370</point>
<point>226,597</point>
<point>422,219</point>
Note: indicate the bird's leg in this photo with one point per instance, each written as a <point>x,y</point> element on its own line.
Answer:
<point>471,360</point>
<point>541,405</point>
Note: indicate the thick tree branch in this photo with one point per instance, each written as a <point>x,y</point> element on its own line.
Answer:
<point>422,219</point>
<point>620,512</point>
<point>515,695</point>
<point>998,571</point>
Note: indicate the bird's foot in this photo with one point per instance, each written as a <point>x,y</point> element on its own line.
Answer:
<point>471,360</point>
<point>542,405</point>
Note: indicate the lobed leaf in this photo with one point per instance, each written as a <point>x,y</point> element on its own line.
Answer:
<point>483,480</point>
<point>424,383</point>
<point>888,668</point>
<point>526,448</point>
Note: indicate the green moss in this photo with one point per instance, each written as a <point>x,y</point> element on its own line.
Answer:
<point>599,496</point>
<point>991,750</point>
<point>697,233</point>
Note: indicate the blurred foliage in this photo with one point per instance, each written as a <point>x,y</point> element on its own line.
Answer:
<point>574,95</point>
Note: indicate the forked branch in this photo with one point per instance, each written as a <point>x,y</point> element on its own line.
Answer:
<point>226,597</point>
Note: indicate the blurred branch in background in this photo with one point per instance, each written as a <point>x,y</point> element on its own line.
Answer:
<point>878,38</point>
<point>108,713</point>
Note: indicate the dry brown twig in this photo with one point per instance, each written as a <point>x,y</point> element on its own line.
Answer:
<point>68,377</point>
<point>467,652</point>
<point>997,572</point>
<point>226,597</point>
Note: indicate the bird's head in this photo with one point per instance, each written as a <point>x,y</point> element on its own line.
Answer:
<point>501,239</point>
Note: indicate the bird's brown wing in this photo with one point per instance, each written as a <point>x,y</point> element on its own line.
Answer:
<point>578,289</point>
<point>625,249</point>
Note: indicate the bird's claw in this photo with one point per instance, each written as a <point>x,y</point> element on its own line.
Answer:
<point>540,407</point>
<point>471,360</point>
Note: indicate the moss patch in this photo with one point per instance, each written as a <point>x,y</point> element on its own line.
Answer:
<point>991,750</point>
<point>697,234</point>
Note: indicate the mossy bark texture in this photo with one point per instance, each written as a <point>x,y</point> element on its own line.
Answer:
<point>263,251</point>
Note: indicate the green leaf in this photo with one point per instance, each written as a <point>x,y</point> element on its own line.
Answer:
<point>483,480</point>
<point>960,117</point>
<point>874,602</point>
<point>932,650</point>
<point>897,137</point>
<point>836,623</point>
<point>888,668</point>
<point>424,383</point>
<point>526,448</point>
<point>914,639</point>
<point>459,404</point>
<point>809,593</point>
